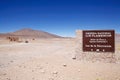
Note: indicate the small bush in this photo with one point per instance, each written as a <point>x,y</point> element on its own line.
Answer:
<point>26,41</point>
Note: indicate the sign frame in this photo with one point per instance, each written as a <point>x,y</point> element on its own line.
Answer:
<point>98,40</point>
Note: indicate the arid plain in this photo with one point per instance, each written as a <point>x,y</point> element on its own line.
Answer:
<point>52,59</point>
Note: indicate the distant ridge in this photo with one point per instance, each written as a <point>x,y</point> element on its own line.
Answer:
<point>30,33</point>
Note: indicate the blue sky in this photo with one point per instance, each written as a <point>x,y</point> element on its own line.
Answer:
<point>61,17</point>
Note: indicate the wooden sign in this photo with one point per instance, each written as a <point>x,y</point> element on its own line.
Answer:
<point>99,40</point>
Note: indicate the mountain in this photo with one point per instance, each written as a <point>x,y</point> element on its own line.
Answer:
<point>30,33</point>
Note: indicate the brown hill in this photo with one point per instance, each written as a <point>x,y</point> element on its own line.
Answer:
<point>2,35</point>
<point>30,33</point>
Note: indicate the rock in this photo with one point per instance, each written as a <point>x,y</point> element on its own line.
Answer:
<point>8,78</point>
<point>33,78</point>
<point>32,70</point>
<point>40,67</point>
<point>55,72</point>
<point>65,65</point>
<point>79,70</point>
<point>3,74</point>
<point>74,57</point>
<point>11,61</point>
<point>26,41</point>
<point>19,66</point>
<point>51,79</point>
<point>42,71</point>
<point>24,66</point>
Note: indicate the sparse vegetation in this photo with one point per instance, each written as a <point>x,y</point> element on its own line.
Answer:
<point>33,39</point>
<point>13,38</point>
<point>26,41</point>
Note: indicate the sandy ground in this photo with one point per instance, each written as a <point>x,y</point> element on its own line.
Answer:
<point>50,59</point>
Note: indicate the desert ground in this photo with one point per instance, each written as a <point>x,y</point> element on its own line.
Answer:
<point>51,59</point>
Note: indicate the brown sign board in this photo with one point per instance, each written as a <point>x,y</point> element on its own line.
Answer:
<point>99,40</point>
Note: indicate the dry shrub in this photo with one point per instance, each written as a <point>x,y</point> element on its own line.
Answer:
<point>33,39</point>
<point>10,38</point>
<point>26,41</point>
